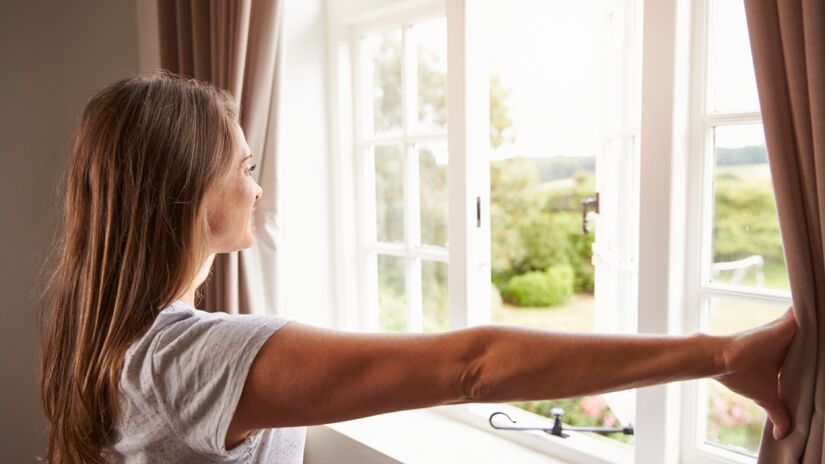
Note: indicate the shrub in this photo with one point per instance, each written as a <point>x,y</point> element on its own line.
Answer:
<point>540,288</point>
<point>543,244</point>
<point>578,249</point>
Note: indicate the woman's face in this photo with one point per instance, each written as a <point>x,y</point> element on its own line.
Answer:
<point>231,205</point>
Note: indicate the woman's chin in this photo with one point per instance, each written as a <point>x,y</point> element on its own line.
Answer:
<point>250,238</point>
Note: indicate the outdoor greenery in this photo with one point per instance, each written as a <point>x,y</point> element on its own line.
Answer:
<point>540,288</point>
<point>733,420</point>
<point>536,227</point>
<point>745,220</point>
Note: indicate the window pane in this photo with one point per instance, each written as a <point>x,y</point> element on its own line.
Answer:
<point>389,193</point>
<point>392,309</point>
<point>434,286</point>
<point>384,52</point>
<point>549,123</point>
<point>747,246</point>
<point>432,161</point>
<point>732,79</point>
<point>734,421</point>
<point>431,44</point>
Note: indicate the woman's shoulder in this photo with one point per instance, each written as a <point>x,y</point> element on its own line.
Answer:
<point>180,327</point>
<point>188,370</point>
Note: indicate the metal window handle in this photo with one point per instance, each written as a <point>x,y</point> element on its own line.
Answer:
<point>592,204</point>
<point>558,428</point>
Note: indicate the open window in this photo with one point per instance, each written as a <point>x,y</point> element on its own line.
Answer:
<point>474,143</point>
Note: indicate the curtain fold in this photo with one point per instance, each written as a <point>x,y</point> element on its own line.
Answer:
<point>788,44</point>
<point>235,45</point>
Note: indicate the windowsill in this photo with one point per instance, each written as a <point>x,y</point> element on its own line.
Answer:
<point>443,435</point>
<point>421,435</point>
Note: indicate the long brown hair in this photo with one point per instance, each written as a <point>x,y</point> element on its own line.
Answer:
<point>148,150</point>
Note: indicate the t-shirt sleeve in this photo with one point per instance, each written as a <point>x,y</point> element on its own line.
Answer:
<point>199,367</point>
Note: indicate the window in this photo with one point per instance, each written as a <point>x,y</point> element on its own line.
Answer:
<point>740,279</point>
<point>564,125</point>
<point>401,145</point>
<point>416,175</point>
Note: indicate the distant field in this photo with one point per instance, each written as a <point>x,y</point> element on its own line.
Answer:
<point>753,173</point>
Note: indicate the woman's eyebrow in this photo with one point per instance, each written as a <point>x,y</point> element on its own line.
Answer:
<point>249,156</point>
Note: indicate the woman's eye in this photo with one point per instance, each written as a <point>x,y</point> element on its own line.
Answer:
<point>252,168</point>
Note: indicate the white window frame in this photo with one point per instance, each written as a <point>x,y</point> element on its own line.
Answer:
<point>699,287</point>
<point>353,165</point>
<point>672,100</point>
<point>467,177</point>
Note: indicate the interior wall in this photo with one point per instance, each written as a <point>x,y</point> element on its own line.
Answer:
<point>55,55</point>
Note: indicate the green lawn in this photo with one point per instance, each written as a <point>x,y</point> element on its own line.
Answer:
<point>575,315</point>
<point>775,274</point>
<point>729,316</point>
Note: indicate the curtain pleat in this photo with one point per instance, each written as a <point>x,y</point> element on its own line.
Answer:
<point>234,45</point>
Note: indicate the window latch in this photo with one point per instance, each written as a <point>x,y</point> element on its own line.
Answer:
<point>592,204</point>
<point>478,212</point>
<point>557,429</point>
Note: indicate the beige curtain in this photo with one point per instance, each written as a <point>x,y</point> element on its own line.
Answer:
<point>788,42</point>
<point>235,44</point>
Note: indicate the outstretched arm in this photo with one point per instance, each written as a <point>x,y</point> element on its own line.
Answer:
<point>305,375</point>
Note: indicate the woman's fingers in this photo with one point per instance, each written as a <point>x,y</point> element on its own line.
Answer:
<point>777,414</point>
<point>754,361</point>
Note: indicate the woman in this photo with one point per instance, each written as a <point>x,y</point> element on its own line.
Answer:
<point>158,184</point>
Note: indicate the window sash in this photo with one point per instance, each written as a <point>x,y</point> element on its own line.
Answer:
<point>410,140</point>
<point>699,287</point>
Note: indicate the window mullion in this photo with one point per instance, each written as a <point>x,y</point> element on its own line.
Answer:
<point>412,233</point>
<point>720,119</point>
<point>397,139</point>
<point>365,172</point>
<point>412,213</point>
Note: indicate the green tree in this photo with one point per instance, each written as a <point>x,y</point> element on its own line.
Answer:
<point>386,78</point>
<point>501,124</point>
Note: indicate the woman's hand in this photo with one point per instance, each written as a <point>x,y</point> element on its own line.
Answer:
<point>752,362</point>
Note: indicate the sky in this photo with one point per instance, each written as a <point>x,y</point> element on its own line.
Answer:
<point>551,55</point>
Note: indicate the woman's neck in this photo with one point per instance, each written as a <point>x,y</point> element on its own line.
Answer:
<point>189,296</point>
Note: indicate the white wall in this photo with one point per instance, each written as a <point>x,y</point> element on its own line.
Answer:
<point>55,55</point>
<point>306,226</point>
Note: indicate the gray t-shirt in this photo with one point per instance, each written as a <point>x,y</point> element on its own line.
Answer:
<point>180,386</point>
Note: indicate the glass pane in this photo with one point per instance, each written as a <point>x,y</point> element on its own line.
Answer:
<point>747,246</point>
<point>392,309</point>
<point>432,162</point>
<point>547,128</point>
<point>431,45</point>
<point>734,421</point>
<point>384,52</point>
<point>732,78</point>
<point>434,287</point>
<point>389,193</point>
